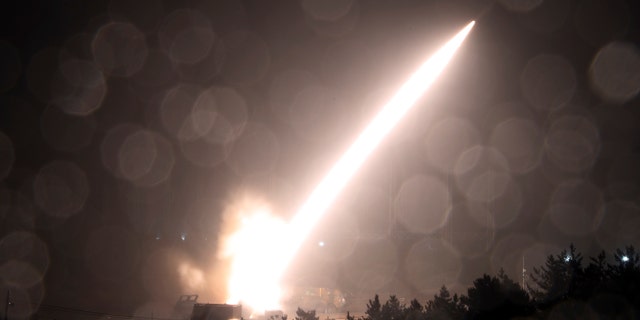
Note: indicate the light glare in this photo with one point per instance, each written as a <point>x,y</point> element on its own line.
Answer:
<point>333,183</point>
<point>263,246</point>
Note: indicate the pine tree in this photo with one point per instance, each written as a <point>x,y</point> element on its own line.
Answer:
<point>392,309</point>
<point>306,315</point>
<point>557,279</point>
<point>374,309</point>
<point>415,311</point>
<point>443,306</point>
<point>496,298</point>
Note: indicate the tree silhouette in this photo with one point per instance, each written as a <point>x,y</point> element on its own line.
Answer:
<point>557,279</point>
<point>392,309</point>
<point>374,309</point>
<point>561,288</point>
<point>443,306</point>
<point>306,315</point>
<point>415,311</point>
<point>496,298</point>
<point>624,276</point>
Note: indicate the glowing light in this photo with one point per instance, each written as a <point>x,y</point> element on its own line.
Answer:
<point>333,183</point>
<point>625,258</point>
<point>252,250</point>
<point>261,247</point>
<point>321,244</point>
<point>567,258</point>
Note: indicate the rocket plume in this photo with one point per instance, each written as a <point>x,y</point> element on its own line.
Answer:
<point>261,257</point>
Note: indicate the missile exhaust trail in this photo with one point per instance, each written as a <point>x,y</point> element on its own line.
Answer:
<point>263,250</point>
<point>325,193</point>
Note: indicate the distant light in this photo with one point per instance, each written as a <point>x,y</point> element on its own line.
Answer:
<point>183,236</point>
<point>321,243</point>
<point>625,258</point>
<point>157,236</point>
<point>567,258</point>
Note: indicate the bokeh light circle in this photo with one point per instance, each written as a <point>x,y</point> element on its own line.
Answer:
<point>430,264</point>
<point>615,72</point>
<point>145,158</point>
<point>187,36</point>
<point>520,141</point>
<point>216,119</point>
<point>80,87</point>
<point>120,49</point>
<point>482,173</point>
<point>576,207</point>
<point>23,247</point>
<point>256,151</point>
<point>572,143</point>
<point>422,204</point>
<point>61,189</point>
<point>447,140</point>
<point>548,82</point>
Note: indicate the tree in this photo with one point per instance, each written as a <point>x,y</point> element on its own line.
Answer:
<point>496,298</point>
<point>443,306</point>
<point>557,279</point>
<point>374,309</point>
<point>306,315</point>
<point>624,275</point>
<point>415,311</point>
<point>392,309</point>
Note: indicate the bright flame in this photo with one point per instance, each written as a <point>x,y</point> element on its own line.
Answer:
<point>262,248</point>
<point>252,250</point>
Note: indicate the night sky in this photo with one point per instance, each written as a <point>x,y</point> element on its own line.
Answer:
<point>128,128</point>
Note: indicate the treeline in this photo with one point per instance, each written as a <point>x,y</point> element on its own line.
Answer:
<point>565,287</point>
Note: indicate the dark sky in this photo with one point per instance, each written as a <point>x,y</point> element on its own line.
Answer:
<point>126,126</point>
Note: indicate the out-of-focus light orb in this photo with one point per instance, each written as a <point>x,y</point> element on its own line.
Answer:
<point>615,72</point>
<point>321,244</point>
<point>422,193</point>
<point>61,189</point>
<point>625,258</point>
<point>548,82</point>
<point>183,237</point>
<point>567,258</point>
<point>119,49</point>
